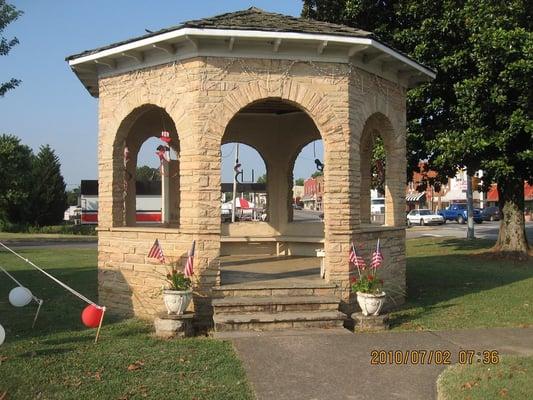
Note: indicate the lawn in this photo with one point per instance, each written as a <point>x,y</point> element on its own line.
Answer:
<point>510,379</point>
<point>454,284</point>
<point>58,360</point>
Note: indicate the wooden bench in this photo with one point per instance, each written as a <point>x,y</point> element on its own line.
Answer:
<point>279,240</point>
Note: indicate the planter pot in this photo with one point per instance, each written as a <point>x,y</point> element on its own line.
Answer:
<point>370,303</point>
<point>177,301</point>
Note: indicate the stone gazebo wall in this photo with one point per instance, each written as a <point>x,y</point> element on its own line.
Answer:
<point>201,96</point>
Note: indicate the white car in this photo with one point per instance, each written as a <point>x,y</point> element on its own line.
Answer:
<point>424,217</point>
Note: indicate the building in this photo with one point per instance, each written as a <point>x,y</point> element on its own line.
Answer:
<point>297,193</point>
<point>313,193</point>
<point>147,202</point>
<point>273,82</point>
<point>493,197</point>
<point>454,191</point>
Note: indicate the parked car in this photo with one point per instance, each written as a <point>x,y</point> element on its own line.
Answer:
<point>424,217</point>
<point>458,212</point>
<point>490,214</point>
<point>296,206</point>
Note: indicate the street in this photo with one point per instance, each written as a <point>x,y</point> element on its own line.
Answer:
<point>486,230</point>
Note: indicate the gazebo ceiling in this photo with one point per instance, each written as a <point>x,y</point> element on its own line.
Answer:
<point>270,106</point>
<point>251,33</point>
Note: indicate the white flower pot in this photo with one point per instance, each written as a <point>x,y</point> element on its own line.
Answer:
<point>370,303</point>
<point>177,301</point>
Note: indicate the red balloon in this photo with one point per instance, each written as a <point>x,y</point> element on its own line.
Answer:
<point>91,316</point>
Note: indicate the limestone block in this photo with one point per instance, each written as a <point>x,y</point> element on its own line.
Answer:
<point>174,326</point>
<point>369,323</point>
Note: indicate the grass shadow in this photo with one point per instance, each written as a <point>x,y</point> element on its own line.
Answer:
<point>451,284</point>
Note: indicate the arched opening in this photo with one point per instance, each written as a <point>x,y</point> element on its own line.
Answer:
<point>244,182</point>
<point>146,154</point>
<point>274,248</point>
<point>376,199</point>
<point>308,188</point>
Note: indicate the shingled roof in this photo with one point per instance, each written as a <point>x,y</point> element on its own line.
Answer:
<point>252,19</point>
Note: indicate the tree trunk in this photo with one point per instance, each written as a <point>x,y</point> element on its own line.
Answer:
<point>512,239</point>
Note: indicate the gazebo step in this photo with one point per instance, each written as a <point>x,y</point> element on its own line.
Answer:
<point>274,290</point>
<point>262,321</point>
<point>275,304</point>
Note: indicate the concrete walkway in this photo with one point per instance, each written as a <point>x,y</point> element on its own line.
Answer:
<point>335,364</point>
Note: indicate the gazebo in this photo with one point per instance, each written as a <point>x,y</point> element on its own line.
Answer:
<point>275,83</point>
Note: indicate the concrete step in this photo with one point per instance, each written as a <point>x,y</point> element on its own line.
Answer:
<point>275,304</point>
<point>262,321</point>
<point>271,290</point>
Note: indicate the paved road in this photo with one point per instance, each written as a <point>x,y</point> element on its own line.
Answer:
<point>486,230</point>
<point>335,364</point>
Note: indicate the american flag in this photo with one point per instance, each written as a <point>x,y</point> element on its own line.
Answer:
<point>188,271</point>
<point>356,259</point>
<point>156,252</point>
<point>377,257</point>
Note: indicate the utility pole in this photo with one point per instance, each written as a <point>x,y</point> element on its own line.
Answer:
<point>469,207</point>
<point>234,200</point>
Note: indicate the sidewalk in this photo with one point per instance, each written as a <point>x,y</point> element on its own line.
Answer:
<point>335,364</point>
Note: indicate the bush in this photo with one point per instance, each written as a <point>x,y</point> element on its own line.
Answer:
<point>6,226</point>
<point>65,229</point>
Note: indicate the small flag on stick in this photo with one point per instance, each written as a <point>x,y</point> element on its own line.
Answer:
<point>156,252</point>
<point>189,271</point>
<point>356,259</point>
<point>377,257</point>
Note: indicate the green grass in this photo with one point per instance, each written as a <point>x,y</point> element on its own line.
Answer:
<point>510,379</point>
<point>58,359</point>
<point>454,284</point>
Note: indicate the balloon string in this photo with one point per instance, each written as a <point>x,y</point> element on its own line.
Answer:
<point>64,286</point>
<point>12,277</point>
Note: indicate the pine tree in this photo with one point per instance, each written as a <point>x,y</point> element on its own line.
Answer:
<point>48,198</point>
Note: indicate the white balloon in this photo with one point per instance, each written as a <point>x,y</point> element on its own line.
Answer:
<point>2,335</point>
<point>20,296</point>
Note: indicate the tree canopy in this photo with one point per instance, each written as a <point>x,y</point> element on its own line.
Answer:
<point>15,178</point>
<point>146,173</point>
<point>32,189</point>
<point>262,179</point>
<point>476,114</point>
<point>8,14</point>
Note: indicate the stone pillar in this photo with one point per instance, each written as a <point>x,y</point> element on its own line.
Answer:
<point>200,212</point>
<point>395,181</point>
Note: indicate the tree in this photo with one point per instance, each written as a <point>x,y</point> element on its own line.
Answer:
<point>146,173</point>
<point>262,179</point>
<point>476,114</point>
<point>15,179</point>
<point>48,196</point>
<point>72,196</point>
<point>8,14</point>
<point>299,182</point>
<point>377,180</point>
<point>317,173</point>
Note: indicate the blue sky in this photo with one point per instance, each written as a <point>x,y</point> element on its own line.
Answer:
<point>52,107</point>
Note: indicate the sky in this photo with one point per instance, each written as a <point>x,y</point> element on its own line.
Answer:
<point>52,107</point>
